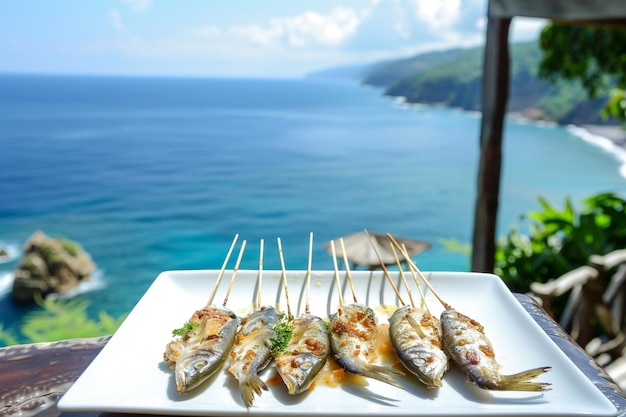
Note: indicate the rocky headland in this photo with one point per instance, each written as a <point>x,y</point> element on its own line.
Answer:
<point>50,265</point>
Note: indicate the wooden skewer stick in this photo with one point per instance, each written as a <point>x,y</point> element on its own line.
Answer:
<point>284,276</point>
<point>348,273</point>
<point>219,276</point>
<point>402,276</point>
<point>416,269</point>
<point>260,277</point>
<point>232,279</point>
<point>382,265</point>
<point>334,253</point>
<point>415,279</point>
<point>308,275</point>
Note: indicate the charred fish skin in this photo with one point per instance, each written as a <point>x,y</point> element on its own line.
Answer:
<point>305,354</point>
<point>352,341</point>
<point>466,342</point>
<point>251,352</point>
<point>203,349</point>
<point>416,338</point>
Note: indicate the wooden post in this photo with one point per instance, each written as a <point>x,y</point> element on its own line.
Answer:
<point>495,93</point>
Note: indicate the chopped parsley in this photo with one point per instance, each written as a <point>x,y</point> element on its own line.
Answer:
<point>283,331</point>
<point>182,331</point>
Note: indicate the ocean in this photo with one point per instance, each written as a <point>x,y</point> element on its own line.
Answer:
<point>154,174</point>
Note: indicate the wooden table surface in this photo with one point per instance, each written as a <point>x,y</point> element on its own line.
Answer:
<point>34,377</point>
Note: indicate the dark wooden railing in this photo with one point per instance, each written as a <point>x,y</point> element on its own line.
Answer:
<point>33,377</point>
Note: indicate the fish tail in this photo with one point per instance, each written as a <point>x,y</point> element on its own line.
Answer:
<point>521,381</point>
<point>383,373</point>
<point>249,388</point>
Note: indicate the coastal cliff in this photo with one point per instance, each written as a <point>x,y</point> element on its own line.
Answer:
<point>453,78</point>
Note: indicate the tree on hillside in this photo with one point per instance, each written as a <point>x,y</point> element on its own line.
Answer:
<point>594,56</point>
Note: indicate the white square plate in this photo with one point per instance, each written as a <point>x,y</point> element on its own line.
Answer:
<point>130,376</point>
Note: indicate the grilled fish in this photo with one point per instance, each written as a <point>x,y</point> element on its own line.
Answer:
<point>465,340</point>
<point>251,352</point>
<point>305,354</point>
<point>352,340</point>
<point>203,349</point>
<point>416,338</point>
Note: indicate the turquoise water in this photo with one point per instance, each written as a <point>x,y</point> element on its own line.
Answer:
<point>156,174</point>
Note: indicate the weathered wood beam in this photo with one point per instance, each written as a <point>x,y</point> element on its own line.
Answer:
<point>565,10</point>
<point>495,92</point>
<point>33,377</point>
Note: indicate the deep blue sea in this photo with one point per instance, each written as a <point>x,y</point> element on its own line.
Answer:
<point>154,174</point>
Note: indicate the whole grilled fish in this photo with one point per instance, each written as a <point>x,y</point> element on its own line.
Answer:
<point>203,348</point>
<point>352,341</point>
<point>252,351</point>
<point>465,341</point>
<point>305,354</point>
<point>416,338</point>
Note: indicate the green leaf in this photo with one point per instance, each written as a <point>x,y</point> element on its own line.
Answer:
<point>182,331</point>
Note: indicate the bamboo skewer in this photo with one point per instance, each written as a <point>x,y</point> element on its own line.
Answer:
<point>284,277</point>
<point>347,265</point>
<point>382,265</point>
<point>416,269</point>
<point>260,276</point>
<point>334,253</point>
<point>308,275</point>
<point>221,273</point>
<point>417,284</point>
<point>403,277</point>
<point>232,278</point>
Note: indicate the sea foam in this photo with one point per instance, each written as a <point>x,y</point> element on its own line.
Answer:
<point>603,143</point>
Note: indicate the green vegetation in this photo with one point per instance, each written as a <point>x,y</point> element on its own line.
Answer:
<point>283,329</point>
<point>454,78</point>
<point>386,73</point>
<point>70,247</point>
<point>595,57</point>
<point>456,246</point>
<point>561,240</point>
<point>182,331</point>
<point>59,320</point>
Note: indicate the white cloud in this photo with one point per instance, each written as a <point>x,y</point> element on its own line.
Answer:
<point>305,30</point>
<point>120,27</point>
<point>378,29</point>
<point>525,29</point>
<point>116,20</point>
<point>137,5</point>
<point>438,15</point>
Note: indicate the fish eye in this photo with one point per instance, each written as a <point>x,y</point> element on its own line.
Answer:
<point>199,365</point>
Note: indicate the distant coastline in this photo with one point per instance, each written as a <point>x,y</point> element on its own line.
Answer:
<point>611,138</point>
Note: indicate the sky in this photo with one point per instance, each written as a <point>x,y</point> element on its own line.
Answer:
<point>232,38</point>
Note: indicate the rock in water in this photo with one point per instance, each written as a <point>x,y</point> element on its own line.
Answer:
<point>50,266</point>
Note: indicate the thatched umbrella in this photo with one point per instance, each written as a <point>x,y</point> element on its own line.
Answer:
<point>359,250</point>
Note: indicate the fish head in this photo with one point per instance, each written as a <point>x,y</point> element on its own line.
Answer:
<point>302,370</point>
<point>193,369</point>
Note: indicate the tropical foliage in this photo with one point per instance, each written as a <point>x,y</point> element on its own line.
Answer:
<point>560,240</point>
<point>59,320</point>
<point>596,57</point>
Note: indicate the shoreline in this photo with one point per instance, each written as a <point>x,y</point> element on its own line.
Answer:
<point>611,139</point>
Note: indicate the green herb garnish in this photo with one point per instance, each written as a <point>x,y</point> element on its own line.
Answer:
<point>182,331</point>
<point>283,331</point>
